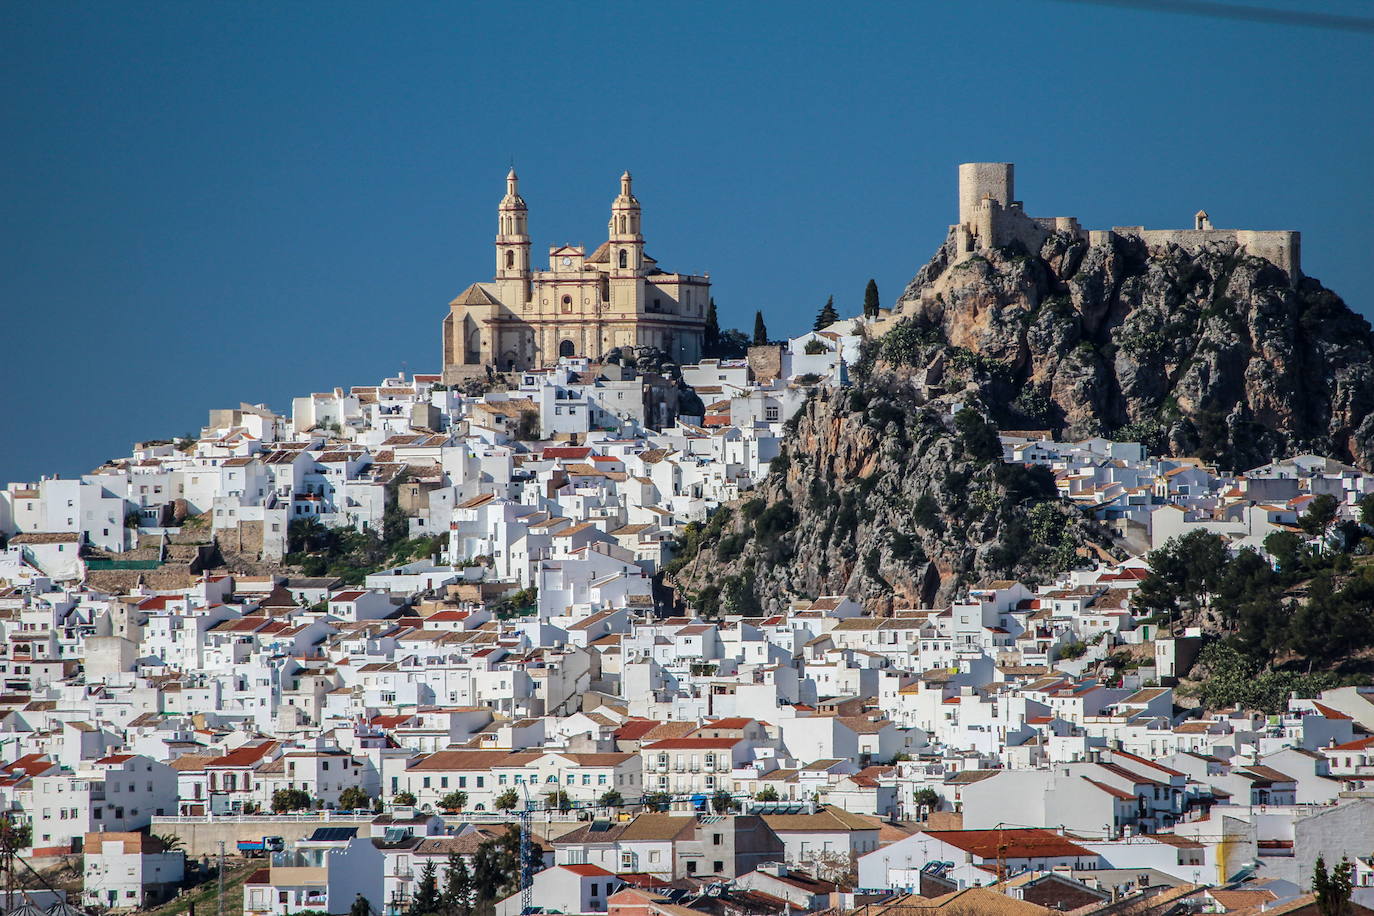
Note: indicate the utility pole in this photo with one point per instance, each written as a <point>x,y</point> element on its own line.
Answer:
<point>220,911</point>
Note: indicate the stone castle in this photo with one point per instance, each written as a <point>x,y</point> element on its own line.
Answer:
<point>581,306</point>
<point>990,216</point>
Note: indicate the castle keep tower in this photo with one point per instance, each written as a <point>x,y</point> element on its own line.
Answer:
<point>979,180</point>
<point>582,305</point>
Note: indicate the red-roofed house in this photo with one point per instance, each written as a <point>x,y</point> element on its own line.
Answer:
<point>355,605</point>
<point>231,781</point>
<point>568,889</point>
<point>976,854</point>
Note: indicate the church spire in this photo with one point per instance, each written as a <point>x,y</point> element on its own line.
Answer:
<point>626,238</point>
<point>512,232</point>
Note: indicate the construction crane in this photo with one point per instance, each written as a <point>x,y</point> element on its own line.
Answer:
<point>526,867</point>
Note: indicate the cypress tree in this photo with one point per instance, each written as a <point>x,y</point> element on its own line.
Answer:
<point>457,886</point>
<point>760,330</point>
<point>710,339</point>
<point>871,299</point>
<point>827,315</point>
<point>426,899</point>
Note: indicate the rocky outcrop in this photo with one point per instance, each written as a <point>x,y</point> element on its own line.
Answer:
<point>1210,352</point>
<point>878,498</point>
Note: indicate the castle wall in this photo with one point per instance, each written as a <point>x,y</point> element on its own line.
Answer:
<point>997,227</point>
<point>1280,247</point>
<point>991,217</point>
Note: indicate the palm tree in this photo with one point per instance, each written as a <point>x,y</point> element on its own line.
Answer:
<point>170,841</point>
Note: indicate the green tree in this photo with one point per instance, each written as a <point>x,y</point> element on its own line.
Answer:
<point>426,900</point>
<point>1288,551</point>
<point>457,897</point>
<point>1321,512</point>
<point>979,437</point>
<point>361,907</point>
<point>710,337</point>
<point>767,794</point>
<point>291,800</point>
<point>557,800</point>
<point>927,798</point>
<point>610,799</point>
<point>871,306</point>
<point>827,315</point>
<point>496,867</point>
<point>507,800</point>
<point>1366,507</point>
<point>454,801</point>
<point>403,798</point>
<point>1184,575</point>
<point>657,801</point>
<point>1333,889</point>
<point>721,802</point>
<point>17,835</point>
<point>760,330</point>
<point>354,798</point>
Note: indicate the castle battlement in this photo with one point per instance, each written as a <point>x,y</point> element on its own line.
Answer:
<point>991,217</point>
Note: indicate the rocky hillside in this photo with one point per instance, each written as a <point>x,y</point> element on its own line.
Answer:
<point>877,498</point>
<point>1212,354</point>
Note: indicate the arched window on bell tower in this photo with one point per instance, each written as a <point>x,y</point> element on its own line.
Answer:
<point>510,259</point>
<point>624,259</point>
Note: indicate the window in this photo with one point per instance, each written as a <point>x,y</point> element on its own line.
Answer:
<point>770,414</point>
<point>691,868</point>
<point>567,305</point>
<point>715,839</point>
<point>718,867</point>
<point>624,259</point>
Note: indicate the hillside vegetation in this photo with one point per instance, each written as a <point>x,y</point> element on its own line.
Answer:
<point>878,497</point>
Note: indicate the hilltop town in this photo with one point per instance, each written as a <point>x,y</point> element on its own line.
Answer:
<point>480,641</point>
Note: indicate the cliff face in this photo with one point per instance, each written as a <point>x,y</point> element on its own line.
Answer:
<point>879,499</point>
<point>1211,353</point>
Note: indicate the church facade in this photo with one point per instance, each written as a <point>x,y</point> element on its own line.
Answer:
<point>582,305</point>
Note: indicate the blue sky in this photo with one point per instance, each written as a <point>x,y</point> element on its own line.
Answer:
<point>207,203</point>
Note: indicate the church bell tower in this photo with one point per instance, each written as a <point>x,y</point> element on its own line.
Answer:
<point>512,244</point>
<point>626,237</point>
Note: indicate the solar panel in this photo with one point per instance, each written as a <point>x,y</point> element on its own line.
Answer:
<point>333,834</point>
